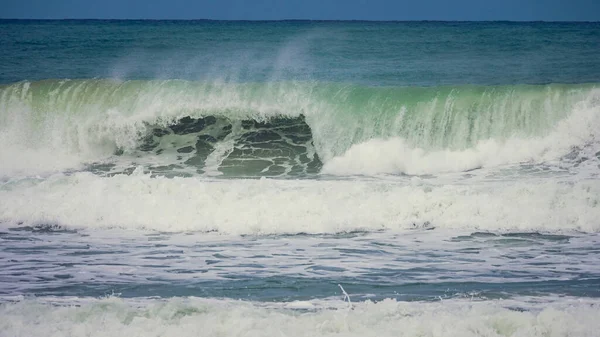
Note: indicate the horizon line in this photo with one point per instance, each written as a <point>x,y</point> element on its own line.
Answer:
<point>299,20</point>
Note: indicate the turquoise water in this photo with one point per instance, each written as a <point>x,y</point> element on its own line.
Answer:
<point>212,178</point>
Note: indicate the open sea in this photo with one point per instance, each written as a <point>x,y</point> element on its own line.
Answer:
<point>299,178</point>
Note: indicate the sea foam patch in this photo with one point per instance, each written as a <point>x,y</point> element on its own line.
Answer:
<point>198,317</point>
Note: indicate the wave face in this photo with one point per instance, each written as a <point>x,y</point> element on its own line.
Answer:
<point>279,146</point>
<point>184,128</point>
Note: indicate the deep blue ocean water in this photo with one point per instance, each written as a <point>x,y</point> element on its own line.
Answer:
<point>299,178</point>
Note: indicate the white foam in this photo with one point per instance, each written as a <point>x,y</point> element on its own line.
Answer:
<point>394,155</point>
<point>84,200</point>
<point>200,317</point>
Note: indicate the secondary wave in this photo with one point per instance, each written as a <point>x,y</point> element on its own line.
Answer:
<point>280,206</point>
<point>283,128</point>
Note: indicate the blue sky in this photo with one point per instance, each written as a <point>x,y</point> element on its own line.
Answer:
<point>549,10</point>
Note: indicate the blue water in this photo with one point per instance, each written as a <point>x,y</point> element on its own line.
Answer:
<point>373,53</point>
<point>219,178</point>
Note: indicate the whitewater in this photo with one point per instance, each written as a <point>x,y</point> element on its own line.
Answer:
<point>283,179</point>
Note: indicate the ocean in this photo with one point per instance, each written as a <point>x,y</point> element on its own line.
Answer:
<point>299,178</point>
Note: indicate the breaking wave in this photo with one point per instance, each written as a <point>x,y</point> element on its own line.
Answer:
<point>288,128</point>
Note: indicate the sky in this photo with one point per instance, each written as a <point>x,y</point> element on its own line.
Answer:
<point>513,10</point>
